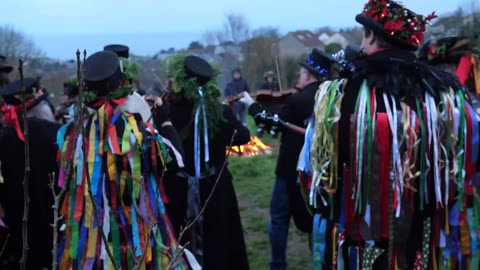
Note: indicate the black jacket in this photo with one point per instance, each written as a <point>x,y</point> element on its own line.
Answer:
<point>235,87</point>
<point>223,242</point>
<point>273,86</point>
<point>43,152</point>
<point>296,110</point>
<point>396,72</point>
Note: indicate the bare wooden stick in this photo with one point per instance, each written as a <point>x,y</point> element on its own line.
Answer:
<point>26,176</point>
<point>56,218</point>
<point>179,252</point>
<point>4,245</point>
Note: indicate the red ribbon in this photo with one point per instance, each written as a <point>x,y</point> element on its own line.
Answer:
<point>383,135</point>
<point>10,114</point>
<point>463,68</point>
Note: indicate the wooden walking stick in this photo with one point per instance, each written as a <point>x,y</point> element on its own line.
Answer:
<point>26,176</point>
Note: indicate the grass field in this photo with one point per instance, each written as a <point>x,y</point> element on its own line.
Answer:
<point>253,181</point>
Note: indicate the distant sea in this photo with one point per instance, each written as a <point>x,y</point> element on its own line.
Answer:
<point>63,47</point>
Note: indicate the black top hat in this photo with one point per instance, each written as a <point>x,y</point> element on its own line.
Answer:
<point>199,68</point>
<point>398,25</point>
<point>318,63</point>
<point>120,50</point>
<point>102,72</point>
<point>4,66</point>
<point>446,50</point>
<point>30,85</point>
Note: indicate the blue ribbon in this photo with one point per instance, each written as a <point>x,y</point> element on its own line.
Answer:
<point>196,146</point>
<point>197,149</point>
<point>81,243</point>
<point>319,242</point>
<point>97,165</point>
<point>353,257</point>
<point>61,135</point>
<point>205,134</point>
<point>307,143</point>
<point>135,233</point>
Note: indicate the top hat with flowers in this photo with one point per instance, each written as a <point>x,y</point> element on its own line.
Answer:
<point>395,23</point>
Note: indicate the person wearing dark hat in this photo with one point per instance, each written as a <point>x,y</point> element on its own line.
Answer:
<point>236,86</point>
<point>286,199</point>
<point>207,127</point>
<point>41,134</point>
<point>65,111</point>
<point>5,69</point>
<point>270,82</point>
<point>43,152</point>
<point>119,50</point>
<point>122,166</point>
<point>389,187</point>
<point>36,103</point>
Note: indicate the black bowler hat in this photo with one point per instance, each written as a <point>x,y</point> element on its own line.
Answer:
<point>4,66</point>
<point>103,73</point>
<point>395,23</point>
<point>120,50</point>
<point>30,85</point>
<point>318,63</point>
<point>199,68</point>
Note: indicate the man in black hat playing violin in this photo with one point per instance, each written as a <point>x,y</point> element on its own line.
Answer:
<point>286,198</point>
<point>385,174</point>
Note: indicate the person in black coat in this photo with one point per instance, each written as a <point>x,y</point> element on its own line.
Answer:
<point>286,198</point>
<point>236,86</point>
<point>217,238</point>
<point>388,220</point>
<point>43,152</point>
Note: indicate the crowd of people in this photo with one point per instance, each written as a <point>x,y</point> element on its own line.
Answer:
<point>378,160</point>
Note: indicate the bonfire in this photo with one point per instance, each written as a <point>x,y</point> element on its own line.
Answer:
<point>254,147</point>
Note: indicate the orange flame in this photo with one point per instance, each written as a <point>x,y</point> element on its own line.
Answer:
<point>254,147</point>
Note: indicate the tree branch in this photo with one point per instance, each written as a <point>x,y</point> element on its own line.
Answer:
<point>4,245</point>
<point>26,176</point>
<point>56,218</point>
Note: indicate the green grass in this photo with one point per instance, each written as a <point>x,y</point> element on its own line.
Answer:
<point>253,181</point>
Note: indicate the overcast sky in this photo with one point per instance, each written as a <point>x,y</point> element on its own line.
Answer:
<point>43,18</point>
<point>129,16</point>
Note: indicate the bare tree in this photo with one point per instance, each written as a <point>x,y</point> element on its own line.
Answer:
<point>15,44</point>
<point>266,32</point>
<point>236,28</point>
<point>209,38</point>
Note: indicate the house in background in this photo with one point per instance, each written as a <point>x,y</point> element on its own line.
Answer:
<point>298,43</point>
<point>338,39</point>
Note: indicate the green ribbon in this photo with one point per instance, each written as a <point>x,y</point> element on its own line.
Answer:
<point>126,147</point>
<point>74,241</point>
<point>114,232</point>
